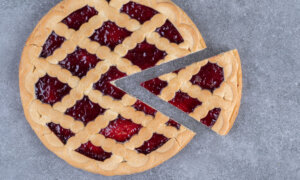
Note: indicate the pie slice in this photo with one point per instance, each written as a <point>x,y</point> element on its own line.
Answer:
<point>67,65</point>
<point>209,91</point>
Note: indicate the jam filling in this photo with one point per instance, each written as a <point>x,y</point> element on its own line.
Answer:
<point>211,117</point>
<point>169,31</point>
<point>79,62</point>
<point>184,102</point>
<point>121,129</point>
<point>155,85</point>
<point>62,133</point>
<point>145,55</point>
<point>104,85</point>
<point>139,12</point>
<point>156,141</point>
<point>110,35</point>
<point>53,42</point>
<point>85,110</point>
<point>50,90</point>
<point>209,77</point>
<point>79,17</point>
<point>173,123</point>
<point>140,106</point>
<point>93,152</point>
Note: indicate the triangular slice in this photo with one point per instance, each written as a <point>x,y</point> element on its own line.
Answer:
<point>209,91</point>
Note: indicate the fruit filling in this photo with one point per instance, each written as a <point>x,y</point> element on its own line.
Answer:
<point>140,106</point>
<point>79,62</point>
<point>184,102</point>
<point>104,85</point>
<point>169,31</point>
<point>93,152</point>
<point>156,141</point>
<point>139,12</point>
<point>85,110</point>
<point>209,77</point>
<point>50,90</point>
<point>62,133</point>
<point>79,17</point>
<point>121,129</point>
<point>53,42</point>
<point>211,117</point>
<point>145,55</point>
<point>110,34</point>
<point>155,85</point>
<point>173,123</point>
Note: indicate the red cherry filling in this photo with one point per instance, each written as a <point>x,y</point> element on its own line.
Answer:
<point>155,85</point>
<point>121,129</point>
<point>109,34</point>
<point>85,110</point>
<point>79,17</point>
<point>50,90</point>
<point>79,62</point>
<point>104,85</point>
<point>209,77</point>
<point>140,106</point>
<point>53,42</point>
<point>169,31</point>
<point>156,141</point>
<point>211,117</point>
<point>145,55</point>
<point>173,123</point>
<point>62,133</point>
<point>139,12</point>
<point>93,152</point>
<point>184,102</point>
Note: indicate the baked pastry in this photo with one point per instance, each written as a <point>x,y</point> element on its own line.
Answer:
<point>209,91</point>
<point>67,65</point>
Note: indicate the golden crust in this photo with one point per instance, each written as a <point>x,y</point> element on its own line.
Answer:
<point>125,160</point>
<point>227,96</point>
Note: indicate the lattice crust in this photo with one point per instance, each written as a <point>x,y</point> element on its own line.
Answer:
<point>34,65</point>
<point>226,97</point>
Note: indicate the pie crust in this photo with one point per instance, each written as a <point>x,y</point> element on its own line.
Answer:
<point>124,158</point>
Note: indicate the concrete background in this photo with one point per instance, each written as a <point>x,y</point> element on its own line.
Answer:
<point>265,140</point>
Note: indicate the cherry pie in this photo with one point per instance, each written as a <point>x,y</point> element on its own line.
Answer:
<point>79,48</point>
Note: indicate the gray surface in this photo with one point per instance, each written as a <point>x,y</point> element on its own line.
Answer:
<point>264,142</point>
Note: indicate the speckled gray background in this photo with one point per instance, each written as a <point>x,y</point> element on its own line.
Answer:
<point>265,140</point>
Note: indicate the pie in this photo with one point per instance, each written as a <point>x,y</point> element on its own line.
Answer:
<point>66,72</point>
<point>209,91</point>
